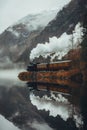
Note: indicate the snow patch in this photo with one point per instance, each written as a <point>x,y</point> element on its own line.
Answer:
<point>59,46</point>
<point>14,32</point>
<point>36,21</point>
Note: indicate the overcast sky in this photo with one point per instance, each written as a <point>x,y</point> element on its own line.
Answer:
<point>13,10</point>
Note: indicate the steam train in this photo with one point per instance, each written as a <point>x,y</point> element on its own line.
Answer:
<point>53,66</point>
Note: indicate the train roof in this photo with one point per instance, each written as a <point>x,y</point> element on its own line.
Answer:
<point>65,61</point>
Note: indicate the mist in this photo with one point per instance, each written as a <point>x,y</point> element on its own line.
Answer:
<point>9,78</point>
<point>13,10</point>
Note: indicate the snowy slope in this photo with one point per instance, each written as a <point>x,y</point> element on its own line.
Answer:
<point>11,12</point>
<point>32,22</point>
<point>35,21</point>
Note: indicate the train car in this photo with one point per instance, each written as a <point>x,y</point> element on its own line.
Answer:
<point>53,66</point>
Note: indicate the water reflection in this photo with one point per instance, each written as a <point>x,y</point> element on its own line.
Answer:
<point>65,99</point>
<point>60,101</point>
<point>51,106</point>
<point>58,105</point>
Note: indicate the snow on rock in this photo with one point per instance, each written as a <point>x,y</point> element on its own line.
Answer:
<point>20,9</point>
<point>57,105</point>
<point>14,32</point>
<point>35,21</point>
<point>6,125</point>
<point>60,46</point>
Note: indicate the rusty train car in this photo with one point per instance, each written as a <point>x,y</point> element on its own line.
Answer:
<point>53,66</point>
<point>37,72</point>
<point>49,73</point>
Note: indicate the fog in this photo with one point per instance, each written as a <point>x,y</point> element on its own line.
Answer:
<point>13,10</point>
<point>10,77</point>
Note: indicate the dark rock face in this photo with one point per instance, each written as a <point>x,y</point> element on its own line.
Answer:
<point>84,42</point>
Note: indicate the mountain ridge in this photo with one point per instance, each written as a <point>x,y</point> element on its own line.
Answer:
<point>65,21</point>
<point>13,42</point>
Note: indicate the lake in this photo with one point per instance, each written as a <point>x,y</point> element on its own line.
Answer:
<point>41,106</point>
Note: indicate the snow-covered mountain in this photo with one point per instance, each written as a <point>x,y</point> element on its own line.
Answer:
<point>31,23</point>
<point>66,22</point>
<point>19,40</point>
<point>18,37</point>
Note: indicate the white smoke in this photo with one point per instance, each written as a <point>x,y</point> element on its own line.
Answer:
<point>60,46</point>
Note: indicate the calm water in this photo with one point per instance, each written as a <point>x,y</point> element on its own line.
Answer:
<point>43,106</point>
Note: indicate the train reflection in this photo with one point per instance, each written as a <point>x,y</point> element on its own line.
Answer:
<point>63,86</point>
